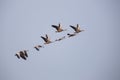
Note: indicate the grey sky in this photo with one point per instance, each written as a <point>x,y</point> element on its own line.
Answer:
<point>92,55</point>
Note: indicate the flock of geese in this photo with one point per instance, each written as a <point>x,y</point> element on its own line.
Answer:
<point>23,54</point>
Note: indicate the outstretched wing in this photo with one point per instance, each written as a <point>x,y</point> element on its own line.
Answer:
<point>59,25</point>
<point>17,56</point>
<point>25,52</point>
<point>44,38</point>
<point>54,26</point>
<point>78,27</point>
<point>73,27</point>
<point>36,48</point>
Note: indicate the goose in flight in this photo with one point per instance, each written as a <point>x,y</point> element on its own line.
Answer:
<point>46,39</point>
<point>58,28</point>
<point>76,29</point>
<point>71,35</point>
<point>60,38</point>
<point>22,54</point>
<point>37,47</point>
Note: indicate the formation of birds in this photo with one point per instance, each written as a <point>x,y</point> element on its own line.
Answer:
<point>24,53</point>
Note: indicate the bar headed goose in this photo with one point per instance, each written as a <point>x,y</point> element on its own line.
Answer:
<point>46,39</point>
<point>76,29</point>
<point>58,27</point>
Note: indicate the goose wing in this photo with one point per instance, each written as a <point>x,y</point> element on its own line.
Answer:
<point>36,48</point>
<point>25,52</point>
<point>59,26</point>
<point>54,26</point>
<point>44,38</point>
<point>17,56</point>
<point>73,27</point>
<point>78,27</point>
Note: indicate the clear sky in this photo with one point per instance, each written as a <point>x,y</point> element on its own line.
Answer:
<point>92,55</point>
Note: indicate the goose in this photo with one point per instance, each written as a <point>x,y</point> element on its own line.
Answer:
<point>22,54</point>
<point>46,39</point>
<point>58,28</point>
<point>37,47</point>
<point>60,38</point>
<point>71,35</point>
<point>76,29</point>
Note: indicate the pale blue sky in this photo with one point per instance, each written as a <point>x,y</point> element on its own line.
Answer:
<point>92,55</point>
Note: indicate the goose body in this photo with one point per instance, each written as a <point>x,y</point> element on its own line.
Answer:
<point>46,39</point>
<point>76,29</point>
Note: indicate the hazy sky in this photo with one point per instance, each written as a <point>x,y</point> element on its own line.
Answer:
<point>92,55</point>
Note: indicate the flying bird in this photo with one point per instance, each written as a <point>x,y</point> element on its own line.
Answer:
<point>60,38</point>
<point>76,29</point>
<point>37,47</point>
<point>46,39</point>
<point>22,54</point>
<point>71,35</point>
<point>58,27</point>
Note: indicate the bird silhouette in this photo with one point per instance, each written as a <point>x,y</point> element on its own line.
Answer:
<point>46,39</point>
<point>22,54</point>
<point>76,29</point>
<point>58,27</point>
